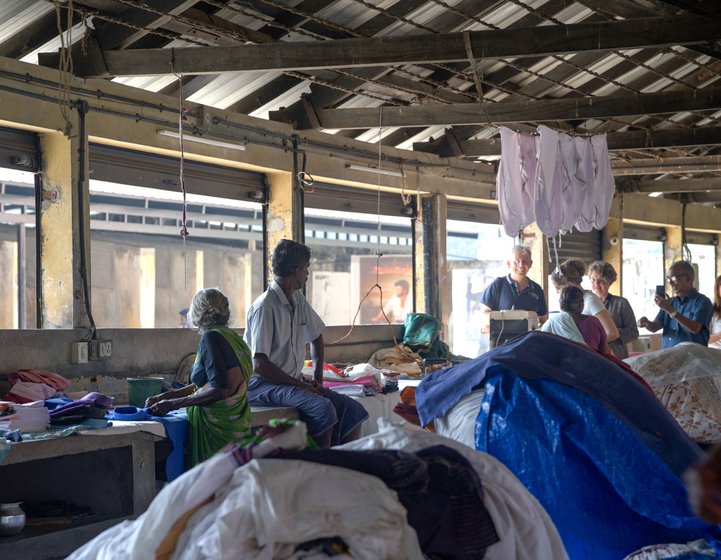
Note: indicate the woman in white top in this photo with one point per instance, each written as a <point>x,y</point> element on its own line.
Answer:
<point>570,273</point>
<point>715,340</point>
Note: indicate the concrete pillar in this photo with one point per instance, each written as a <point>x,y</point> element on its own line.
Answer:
<point>612,250</point>
<point>432,281</point>
<point>61,304</point>
<point>284,214</point>
<point>542,267</point>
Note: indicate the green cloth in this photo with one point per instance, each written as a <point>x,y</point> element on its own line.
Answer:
<point>214,426</point>
<point>421,334</point>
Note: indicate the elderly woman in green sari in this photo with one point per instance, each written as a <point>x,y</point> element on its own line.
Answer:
<point>217,406</point>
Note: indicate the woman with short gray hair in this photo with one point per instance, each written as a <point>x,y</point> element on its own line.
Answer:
<point>216,400</point>
<point>602,275</point>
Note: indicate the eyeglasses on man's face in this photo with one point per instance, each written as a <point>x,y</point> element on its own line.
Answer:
<point>675,277</point>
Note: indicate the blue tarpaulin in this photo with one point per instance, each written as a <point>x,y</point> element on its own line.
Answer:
<point>546,356</point>
<point>585,436</point>
<point>606,492</point>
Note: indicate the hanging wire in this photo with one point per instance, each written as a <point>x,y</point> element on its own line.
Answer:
<point>181,140</point>
<point>65,66</point>
<point>378,248</point>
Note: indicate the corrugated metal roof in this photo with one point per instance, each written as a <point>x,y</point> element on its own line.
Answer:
<point>628,71</point>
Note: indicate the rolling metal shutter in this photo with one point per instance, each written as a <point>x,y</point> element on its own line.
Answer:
<point>142,169</point>
<point>643,233</point>
<point>578,245</point>
<point>347,199</point>
<point>18,150</point>
<point>473,212</point>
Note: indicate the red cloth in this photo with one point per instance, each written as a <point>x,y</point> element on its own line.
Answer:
<point>9,397</point>
<point>55,380</point>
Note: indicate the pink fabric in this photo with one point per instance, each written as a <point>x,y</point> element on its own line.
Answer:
<point>367,380</point>
<point>56,381</point>
<point>31,391</point>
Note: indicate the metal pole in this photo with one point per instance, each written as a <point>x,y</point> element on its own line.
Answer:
<point>22,277</point>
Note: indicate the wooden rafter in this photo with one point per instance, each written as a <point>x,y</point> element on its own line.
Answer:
<point>416,49</point>
<point>617,141</point>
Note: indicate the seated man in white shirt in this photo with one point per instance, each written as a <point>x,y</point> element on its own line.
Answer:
<point>280,323</point>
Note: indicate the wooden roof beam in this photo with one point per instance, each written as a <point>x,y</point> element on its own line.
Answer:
<point>617,141</point>
<point>679,186</point>
<point>579,108</point>
<point>417,49</point>
<point>662,166</point>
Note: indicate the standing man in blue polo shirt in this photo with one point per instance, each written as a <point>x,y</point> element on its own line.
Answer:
<point>515,291</point>
<point>686,316</point>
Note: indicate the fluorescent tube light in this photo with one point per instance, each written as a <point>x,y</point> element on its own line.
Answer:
<point>201,140</point>
<point>390,172</point>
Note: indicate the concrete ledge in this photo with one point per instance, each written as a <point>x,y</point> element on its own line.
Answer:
<point>260,415</point>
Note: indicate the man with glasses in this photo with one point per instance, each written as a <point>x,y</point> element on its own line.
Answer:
<point>515,291</point>
<point>686,316</point>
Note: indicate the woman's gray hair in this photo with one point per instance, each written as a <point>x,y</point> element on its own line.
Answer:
<point>606,270</point>
<point>209,309</point>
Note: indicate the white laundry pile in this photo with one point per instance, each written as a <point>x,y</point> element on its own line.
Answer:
<point>31,417</point>
<point>554,179</point>
<point>265,508</point>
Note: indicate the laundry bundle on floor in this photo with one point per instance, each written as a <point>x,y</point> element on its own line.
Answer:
<point>583,434</point>
<point>554,179</point>
<point>401,493</point>
<point>687,380</point>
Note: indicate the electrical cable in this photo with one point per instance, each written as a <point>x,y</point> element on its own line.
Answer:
<point>378,250</point>
<point>82,108</point>
<point>181,139</point>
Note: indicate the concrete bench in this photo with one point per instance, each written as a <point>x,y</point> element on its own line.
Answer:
<point>259,415</point>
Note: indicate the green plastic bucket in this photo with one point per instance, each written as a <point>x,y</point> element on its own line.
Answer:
<point>140,388</point>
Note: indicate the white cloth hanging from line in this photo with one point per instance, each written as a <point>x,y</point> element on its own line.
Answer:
<point>558,181</point>
<point>518,172</point>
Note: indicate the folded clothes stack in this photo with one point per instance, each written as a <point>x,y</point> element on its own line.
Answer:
<point>32,417</point>
<point>91,406</point>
